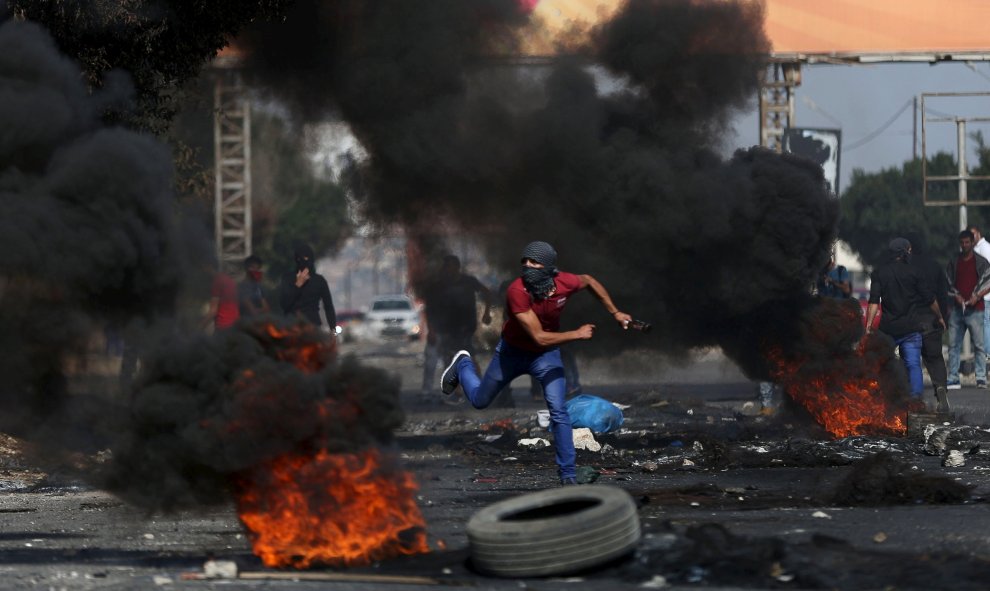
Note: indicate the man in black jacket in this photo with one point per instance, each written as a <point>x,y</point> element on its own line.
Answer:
<point>301,292</point>
<point>931,335</point>
<point>908,307</point>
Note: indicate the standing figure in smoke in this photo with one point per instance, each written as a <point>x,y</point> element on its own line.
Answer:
<point>250,292</point>
<point>909,305</point>
<point>530,343</point>
<point>969,280</point>
<point>301,292</point>
<point>834,281</point>
<point>452,314</point>
<point>223,310</point>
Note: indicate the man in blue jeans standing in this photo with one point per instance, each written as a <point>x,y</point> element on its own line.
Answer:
<point>530,343</point>
<point>909,307</point>
<point>982,248</point>
<point>969,280</point>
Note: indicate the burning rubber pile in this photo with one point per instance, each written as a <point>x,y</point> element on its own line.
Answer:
<point>265,414</point>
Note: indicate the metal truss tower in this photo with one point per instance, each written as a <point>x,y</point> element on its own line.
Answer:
<point>232,167</point>
<point>777,102</point>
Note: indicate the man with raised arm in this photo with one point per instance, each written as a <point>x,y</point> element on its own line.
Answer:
<point>530,343</point>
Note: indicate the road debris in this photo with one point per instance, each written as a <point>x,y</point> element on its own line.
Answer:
<point>583,439</point>
<point>954,459</point>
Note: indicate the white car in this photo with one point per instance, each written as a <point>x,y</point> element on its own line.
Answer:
<point>393,316</point>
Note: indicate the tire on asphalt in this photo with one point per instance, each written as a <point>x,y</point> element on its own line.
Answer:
<point>553,532</point>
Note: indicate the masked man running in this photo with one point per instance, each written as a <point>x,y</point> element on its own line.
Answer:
<point>530,344</point>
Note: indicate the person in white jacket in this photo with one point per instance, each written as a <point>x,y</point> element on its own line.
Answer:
<point>982,248</point>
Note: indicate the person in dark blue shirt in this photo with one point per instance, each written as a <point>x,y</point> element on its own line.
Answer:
<point>834,281</point>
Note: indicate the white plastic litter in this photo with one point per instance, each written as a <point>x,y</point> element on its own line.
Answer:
<point>584,439</point>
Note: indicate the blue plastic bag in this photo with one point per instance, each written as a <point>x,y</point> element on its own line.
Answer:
<point>597,414</point>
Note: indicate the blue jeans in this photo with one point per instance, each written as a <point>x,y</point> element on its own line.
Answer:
<point>959,322</point>
<point>909,347</point>
<point>509,363</point>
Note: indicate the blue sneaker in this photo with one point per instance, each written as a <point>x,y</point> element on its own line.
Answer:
<point>953,386</point>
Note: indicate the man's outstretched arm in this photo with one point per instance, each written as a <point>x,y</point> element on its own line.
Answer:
<point>602,294</point>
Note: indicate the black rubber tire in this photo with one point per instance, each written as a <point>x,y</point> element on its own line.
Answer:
<point>554,532</point>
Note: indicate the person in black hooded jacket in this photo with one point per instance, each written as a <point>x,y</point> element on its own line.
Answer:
<point>302,291</point>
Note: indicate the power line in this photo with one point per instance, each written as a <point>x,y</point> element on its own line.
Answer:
<point>873,134</point>
<point>814,106</point>
<point>978,73</point>
<point>938,113</point>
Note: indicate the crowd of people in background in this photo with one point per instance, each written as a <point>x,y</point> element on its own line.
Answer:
<point>917,300</point>
<point>912,299</point>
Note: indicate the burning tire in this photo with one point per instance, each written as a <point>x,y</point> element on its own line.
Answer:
<point>553,532</point>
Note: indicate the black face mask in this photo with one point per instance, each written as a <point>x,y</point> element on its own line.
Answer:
<point>539,282</point>
<point>302,264</point>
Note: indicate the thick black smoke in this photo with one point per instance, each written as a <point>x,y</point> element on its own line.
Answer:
<point>91,236</point>
<point>88,229</point>
<point>209,410</point>
<point>627,184</point>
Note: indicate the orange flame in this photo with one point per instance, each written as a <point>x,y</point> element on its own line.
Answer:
<point>331,509</point>
<point>844,406</point>
<point>304,509</point>
<point>302,346</point>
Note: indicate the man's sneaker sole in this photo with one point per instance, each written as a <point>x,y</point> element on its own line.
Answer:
<point>449,379</point>
<point>954,387</point>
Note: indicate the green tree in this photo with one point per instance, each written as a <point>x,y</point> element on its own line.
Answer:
<point>882,205</point>
<point>296,199</point>
<point>162,44</point>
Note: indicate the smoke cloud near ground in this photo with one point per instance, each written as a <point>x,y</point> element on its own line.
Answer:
<point>208,410</point>
<point>623,177</point>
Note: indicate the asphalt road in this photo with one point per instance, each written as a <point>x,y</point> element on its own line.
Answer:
<point>728,498</point>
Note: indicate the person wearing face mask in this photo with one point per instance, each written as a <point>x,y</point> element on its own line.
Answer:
<point>530,342</point>
<point>303,290</point>
<point>909,306</point>
<point>250,293</point>
<point>223,311</point>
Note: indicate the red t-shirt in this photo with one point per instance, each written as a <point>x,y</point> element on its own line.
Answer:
<point>518,300</point>
<point>966,279</point>
<point>225,290</point>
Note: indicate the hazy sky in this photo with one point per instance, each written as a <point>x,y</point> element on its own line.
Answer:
<point>861,99</point>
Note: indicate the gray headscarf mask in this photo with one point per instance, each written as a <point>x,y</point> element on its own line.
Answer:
<point>539,282</point>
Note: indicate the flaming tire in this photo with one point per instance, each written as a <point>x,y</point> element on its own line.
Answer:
<point>553,532</point>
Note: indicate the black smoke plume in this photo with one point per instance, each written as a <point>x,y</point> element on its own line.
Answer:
<point>623,176</point>
<point>89,232</point>
<point>92,236</point>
